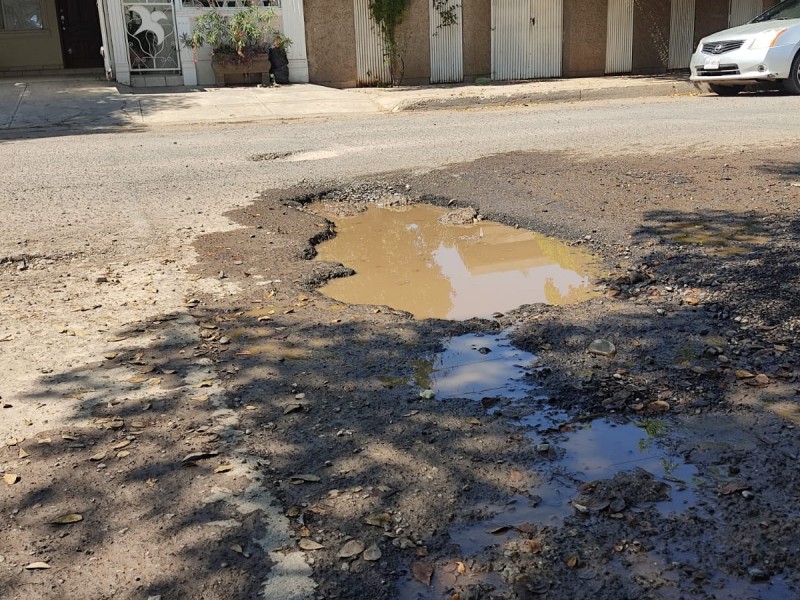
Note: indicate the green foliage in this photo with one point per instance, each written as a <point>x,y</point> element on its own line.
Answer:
<point>447,12</point>
<point>245,33</point>
<point>389,14</point>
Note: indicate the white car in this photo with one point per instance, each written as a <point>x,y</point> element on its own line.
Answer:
<point>767,49</point>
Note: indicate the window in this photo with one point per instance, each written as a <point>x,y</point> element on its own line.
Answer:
<point>19,15</point>
<point>229,3</point>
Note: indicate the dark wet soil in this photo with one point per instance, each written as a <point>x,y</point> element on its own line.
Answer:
<point>698,297</point>
<point>495,497</point>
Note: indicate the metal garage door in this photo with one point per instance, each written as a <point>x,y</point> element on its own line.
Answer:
<point>447,48</point>
<point>743,11</point>
<point>527,38</point>
<point>619,48</point>
<point>371,68</point>
<point>681,34</point>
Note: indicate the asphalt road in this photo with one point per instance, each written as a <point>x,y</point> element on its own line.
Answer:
<point>123,192</point>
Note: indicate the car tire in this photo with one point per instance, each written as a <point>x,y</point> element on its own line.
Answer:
<point>725,90</point>
<point>792,84</point>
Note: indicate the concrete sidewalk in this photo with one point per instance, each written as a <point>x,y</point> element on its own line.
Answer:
<point>97,105</point>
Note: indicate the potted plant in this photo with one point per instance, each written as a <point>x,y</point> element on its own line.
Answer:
<point>240,43</point>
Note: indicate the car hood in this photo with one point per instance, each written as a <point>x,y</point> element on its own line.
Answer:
<point>750,29</point>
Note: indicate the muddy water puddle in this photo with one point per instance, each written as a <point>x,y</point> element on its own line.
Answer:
<point>482,367</point>
<point>405,258</point>
<point>487,368</point>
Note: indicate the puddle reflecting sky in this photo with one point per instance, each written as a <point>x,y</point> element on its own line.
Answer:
<point>475,366</point>
<point>407,260</point>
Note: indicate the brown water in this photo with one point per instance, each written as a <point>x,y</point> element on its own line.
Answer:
<point>407,260</point>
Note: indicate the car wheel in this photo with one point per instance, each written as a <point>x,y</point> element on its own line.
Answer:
<point>792,84</point>
<point>725,90</point>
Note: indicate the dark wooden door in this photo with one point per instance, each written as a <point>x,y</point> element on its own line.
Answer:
<point>79,24</point>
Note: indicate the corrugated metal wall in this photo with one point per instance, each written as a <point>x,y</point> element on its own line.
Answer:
<point>619,47</point>
<point>527,38</point>
<point>447,48</point>
<point>681,34</point>
<point>371,68</point>
<point>743,11</point>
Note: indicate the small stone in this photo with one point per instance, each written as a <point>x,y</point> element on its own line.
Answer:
<point>602,348</point>
<point>757,574</point>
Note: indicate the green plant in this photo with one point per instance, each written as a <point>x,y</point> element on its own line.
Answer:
<point>388,14</point>
<point>447,10</point>
<point>244,34</point>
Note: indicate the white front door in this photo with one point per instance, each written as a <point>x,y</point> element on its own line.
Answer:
<point>447,48</point>
<point>527,39</point>
<point>619,47</point>
<point>681,34</point>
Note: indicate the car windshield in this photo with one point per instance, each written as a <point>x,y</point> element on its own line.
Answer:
<point>785,10</point>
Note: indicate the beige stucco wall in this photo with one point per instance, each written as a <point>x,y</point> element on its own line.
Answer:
<point>36,49</point>
<point>413,37</point>
<point>651,25</point>
<point>477,32</point>
<point>330,42</point>
<point>710,16</point>
<point>585,35</point>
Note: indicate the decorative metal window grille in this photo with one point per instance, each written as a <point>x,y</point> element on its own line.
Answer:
<point>152,42</point>
<point>229,3</point>
<point>19,15</point>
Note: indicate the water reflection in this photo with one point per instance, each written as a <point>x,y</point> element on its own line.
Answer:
<point>408,260</point>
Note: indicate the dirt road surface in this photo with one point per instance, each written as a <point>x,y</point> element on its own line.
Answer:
<point>184,415</point>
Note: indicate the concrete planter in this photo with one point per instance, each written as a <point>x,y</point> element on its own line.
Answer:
<point>228,71</point>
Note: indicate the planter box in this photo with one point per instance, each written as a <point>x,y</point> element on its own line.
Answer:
<point>254,70</point>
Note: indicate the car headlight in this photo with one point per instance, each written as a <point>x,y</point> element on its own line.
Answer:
<point>767,39</point>
<point>699,47</point>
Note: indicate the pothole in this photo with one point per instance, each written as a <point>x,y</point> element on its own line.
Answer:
<point>270,156</point>
<point>408,259</point>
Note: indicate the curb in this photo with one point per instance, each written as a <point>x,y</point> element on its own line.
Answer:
<point>666,89</point>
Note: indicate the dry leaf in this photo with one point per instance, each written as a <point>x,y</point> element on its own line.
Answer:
<point>201,398</point>
<point>473,421</point>
<point>304,531</point>
<point>138,379</point>
<point>732,488</point>
<point>205,384</point>
<point>422,571</point>
<point>99,456</point>
<point>742,374</point>
<point>123,454</point>
<point>151,482</point>
<point>11,478</point>
<point>121,445</point>
<point>294,407</point>
<point>208,325</point>
<point>36,566</point>
<point>223,468</point>
<point>304,478</point>
<point>23,454</point>
<point>372,553</point>
<point>572,562</point>
<point>378,519</point>
<point>67,519</point>
<point>351,549</point>
<point>499,530</point>
<point>307,544</point>
<point>461,567</point>
<point>411,414</point>
<point>195,456</point>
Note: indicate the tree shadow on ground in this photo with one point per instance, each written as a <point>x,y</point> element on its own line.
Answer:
<point>297,405</point>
